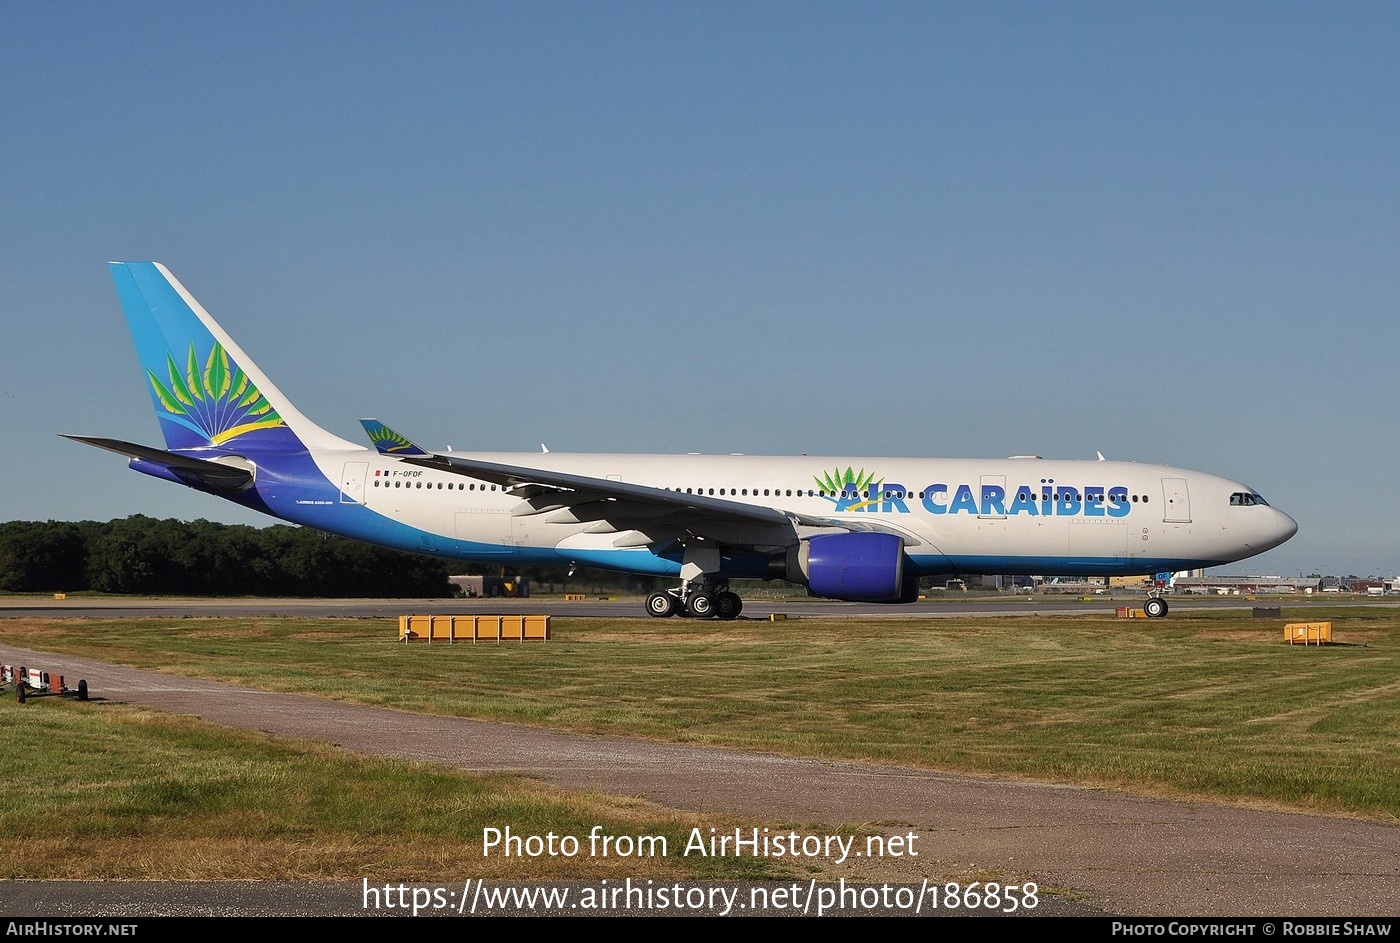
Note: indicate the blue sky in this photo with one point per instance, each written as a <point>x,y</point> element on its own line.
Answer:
<point>1165,232</point>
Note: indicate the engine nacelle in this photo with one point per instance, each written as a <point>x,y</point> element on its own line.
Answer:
<point>860,567</point>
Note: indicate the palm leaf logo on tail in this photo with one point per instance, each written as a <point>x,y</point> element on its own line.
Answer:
<point>217,400</point>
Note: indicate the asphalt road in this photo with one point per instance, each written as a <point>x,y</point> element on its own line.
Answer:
<point>1106,852</point>
<point>949,605</point>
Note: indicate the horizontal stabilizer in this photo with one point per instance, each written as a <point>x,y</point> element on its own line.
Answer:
<point>183,468</point>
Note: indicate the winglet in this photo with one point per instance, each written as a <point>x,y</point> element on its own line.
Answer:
<point>387,441</point>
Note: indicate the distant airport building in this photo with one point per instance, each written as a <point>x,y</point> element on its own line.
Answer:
<point>1042,584</point>
<point>1233,585</point>
<point>1129,582</point>
<point>1376,586</point>
<point>491,587</point>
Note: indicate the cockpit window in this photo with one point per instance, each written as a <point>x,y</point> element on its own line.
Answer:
<point>1246,499</point>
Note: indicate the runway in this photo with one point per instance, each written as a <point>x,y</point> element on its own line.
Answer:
<point>1112,853</point>
<point>958,605</point>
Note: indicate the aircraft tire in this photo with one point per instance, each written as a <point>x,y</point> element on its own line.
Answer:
<point>701,605</point>
<point>1155,608</point>
<point>728,605</point>
<point>661,605</point>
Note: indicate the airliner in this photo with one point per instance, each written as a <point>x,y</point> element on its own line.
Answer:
<point>845,527</point>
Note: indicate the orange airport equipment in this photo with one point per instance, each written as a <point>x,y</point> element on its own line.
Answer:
<point>1125,613</point>
<point>453,629</point>
<point>1308,633</point>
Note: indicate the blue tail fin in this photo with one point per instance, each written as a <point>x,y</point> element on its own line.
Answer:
<point>206,391</point>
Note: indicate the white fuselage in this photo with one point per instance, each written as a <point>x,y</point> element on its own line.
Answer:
<point>1020,515</point>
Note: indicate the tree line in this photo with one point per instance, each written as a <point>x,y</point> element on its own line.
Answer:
<point>144,555</point>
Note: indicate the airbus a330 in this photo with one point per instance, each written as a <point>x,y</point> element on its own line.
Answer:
<point>846,527</point>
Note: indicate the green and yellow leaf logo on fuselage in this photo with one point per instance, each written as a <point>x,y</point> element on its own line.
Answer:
<point>850,490</point>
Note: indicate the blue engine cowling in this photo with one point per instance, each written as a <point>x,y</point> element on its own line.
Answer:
<point>861,567</point>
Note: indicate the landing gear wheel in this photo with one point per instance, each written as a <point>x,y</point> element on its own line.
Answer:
<point>661,605</point>
<point>728,605</point>
<point>701,605</point>
<point>1155,608</point>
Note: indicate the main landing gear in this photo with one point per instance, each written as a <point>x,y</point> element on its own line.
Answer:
<point>697,600</point>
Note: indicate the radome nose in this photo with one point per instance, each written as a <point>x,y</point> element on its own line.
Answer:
<point>1287,526</point>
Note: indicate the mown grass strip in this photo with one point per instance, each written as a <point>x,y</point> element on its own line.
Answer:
<point>1209,705</point>
<point>111,792</point>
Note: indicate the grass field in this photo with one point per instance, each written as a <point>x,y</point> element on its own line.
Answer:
<point>114,792</point>
<point>1210,705</point>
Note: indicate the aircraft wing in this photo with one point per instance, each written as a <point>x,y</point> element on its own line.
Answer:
<point>181,467</point>
<point>658,513</point>
<point>535,484</point>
